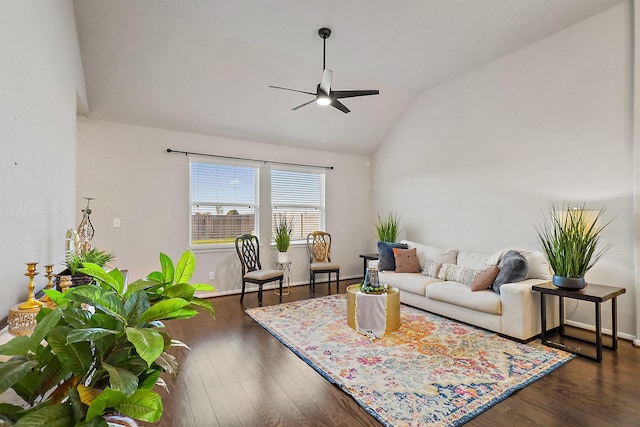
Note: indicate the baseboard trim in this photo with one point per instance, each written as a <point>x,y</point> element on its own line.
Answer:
<point>605,331</point>
<point>266,287</point>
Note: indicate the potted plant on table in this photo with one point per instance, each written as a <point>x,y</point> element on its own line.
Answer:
<point>570,238</point>
<point>76,260</point>
<point>97,356</point>
<point>282,237</point>
<point>388,227</point>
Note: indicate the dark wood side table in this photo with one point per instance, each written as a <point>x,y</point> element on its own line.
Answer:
<point>366,258</point>
<point>592,292</point>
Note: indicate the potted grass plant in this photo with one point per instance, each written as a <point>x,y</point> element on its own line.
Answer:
<point>94,359</point>
<point>74,262</point>
<point>388,227</point>
<point>570,239</point>
<point>282,237</point>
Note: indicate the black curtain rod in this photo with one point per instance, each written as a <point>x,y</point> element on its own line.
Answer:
<point>186,153</point>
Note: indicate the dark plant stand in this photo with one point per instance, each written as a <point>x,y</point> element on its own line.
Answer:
<point>592,292</point>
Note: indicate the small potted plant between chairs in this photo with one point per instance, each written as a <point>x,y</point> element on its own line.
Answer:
<point>282,237</point>
<point>570,238</point>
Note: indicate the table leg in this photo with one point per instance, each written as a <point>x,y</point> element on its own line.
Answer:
<point>561,305</point>
<point>543,318</point>
<point>598,333</point>
<point>614,324</point>
<point>364,268</point>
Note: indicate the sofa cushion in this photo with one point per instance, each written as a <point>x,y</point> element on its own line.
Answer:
<point>406,260</point>
<point>407,282</point>
<point>461,295</point>
<point>456,273</point>
<point>484,278</point>
<point>477,260</point>
<point>385,255</point>
<point>431,268</point>
<point>431,252</point>
<point>513,268</point>
<point>539,267</point>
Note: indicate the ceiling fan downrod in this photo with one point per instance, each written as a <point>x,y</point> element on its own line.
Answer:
<point>324,33</point>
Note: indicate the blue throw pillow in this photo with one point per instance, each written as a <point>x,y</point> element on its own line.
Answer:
<point>513,268</point>
<point>386,260</point>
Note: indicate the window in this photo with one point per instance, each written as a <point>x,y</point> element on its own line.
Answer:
<point>298,196</point>
<point>223,202</point>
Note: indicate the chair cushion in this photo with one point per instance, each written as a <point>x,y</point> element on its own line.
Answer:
<point>319,266</point>
<point>264,274</point>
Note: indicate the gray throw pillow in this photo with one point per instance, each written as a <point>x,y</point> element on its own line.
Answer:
<point>513,268</point>
<point>386,259</point>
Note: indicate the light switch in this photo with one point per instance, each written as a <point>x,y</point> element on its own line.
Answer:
<point>116,222</point>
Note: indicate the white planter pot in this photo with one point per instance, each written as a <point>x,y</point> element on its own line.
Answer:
<point>283,256</point>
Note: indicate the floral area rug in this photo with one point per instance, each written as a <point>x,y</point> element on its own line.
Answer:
<point>431,371</point>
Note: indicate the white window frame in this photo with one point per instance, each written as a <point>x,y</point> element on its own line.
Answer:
<point>255,205</point>
<point>321,207</point>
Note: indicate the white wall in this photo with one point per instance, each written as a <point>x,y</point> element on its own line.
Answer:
<point>132,177</point>
<point>476,161</point>
<point>40,76</point>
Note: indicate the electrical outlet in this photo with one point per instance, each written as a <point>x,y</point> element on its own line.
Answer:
<point>116,222</point>
<point>212,275</point>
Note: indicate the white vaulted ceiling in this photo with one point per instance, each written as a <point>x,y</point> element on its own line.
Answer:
<point>205,66</point>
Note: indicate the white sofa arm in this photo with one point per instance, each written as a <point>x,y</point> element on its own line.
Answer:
<point>521,309</point>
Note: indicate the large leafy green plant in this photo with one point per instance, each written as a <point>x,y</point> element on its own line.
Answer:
<point>388,227</point>
<point>570,238</point>
<point>101,350</point>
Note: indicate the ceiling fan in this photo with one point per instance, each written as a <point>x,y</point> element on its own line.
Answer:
<point>324,95</point>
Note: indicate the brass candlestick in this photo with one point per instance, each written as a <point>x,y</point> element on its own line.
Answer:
<point>31,301</point>
<point>49,270</point>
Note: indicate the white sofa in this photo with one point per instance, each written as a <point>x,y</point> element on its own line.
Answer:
<point>514,313</point>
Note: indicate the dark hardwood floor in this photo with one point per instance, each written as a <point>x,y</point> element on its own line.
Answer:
<point>237,374</point>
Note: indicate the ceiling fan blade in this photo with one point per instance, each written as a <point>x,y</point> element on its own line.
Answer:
<point>302,105</point>
<point>338,94</point>
<point>340,106</point>
<point>293,90</point>
<point>325,84</point>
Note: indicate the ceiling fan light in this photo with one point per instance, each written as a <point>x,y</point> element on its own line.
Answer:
<point>323,100</point>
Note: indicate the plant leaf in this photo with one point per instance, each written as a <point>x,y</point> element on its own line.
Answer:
<point>204,304</point>
<point>13,370</point>
<point>150,381</point>
<point>115,282</point>
<point>76,357</point>
<point>88,334</point>
<point>185,267</point>
<point>145,405</point>
<point>203,287</point>
<point>99,400</point>
<point>10,411</point>
<point>56,296</point>
<point>106,301</point>
<point>155,276</point>
<point>136,304</point>
<point>164,309</point>
<point>51,416</point>
<point>17,346</point>
<point>148,343</point>
<point>180,290</point>
<point>121,379</point>
<point>168,271</point>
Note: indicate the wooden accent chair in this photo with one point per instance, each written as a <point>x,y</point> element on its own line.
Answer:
<point>319,248</point>
<point>248,249</point>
